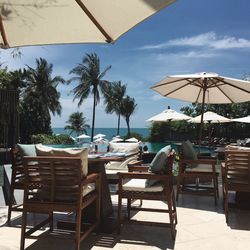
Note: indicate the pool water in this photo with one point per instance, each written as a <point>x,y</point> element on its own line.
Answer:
<point>152,147</point>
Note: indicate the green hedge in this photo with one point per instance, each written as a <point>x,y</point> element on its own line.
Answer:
<point>52,139</point>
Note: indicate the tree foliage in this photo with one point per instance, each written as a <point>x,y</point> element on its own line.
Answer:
<point>77,123</point>
<point>128,107</point>
<point>113,96</point>
<point>89,78</point>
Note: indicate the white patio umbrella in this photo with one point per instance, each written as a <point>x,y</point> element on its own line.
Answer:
<point>168,115</point>
<point>245,119</point>
<point>99,136</point>
<point>204,88</point>
<point>30,22</point>
<point>133,139</point>
<point>210,117</point>
<point>83,136</point>
<point>115,139</point>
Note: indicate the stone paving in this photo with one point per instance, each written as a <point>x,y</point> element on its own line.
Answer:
<point>201,225</point>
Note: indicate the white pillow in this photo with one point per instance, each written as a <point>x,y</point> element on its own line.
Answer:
<point>65,152</point>
<point>123,147</point>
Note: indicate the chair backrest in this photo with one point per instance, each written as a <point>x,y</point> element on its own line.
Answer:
<point>52,179</point>
<point>237,166</point>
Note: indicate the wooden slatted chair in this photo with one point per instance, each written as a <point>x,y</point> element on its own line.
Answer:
<point>135,188</point>
<point>17,181</point>
<point>197,175</point>
<point>235,173</point>
<point>57,184</point>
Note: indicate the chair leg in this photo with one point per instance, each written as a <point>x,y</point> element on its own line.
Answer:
<point>78,228</point>
<point>178,188</point>
<point>226,205</point>
<point>119,214</point>
<point>51,221</point>
<point>174,206</point>
<point>215,190</point>
<point>23,230</point>
<point>170,210</point>
<point>98,213</point>
<point>128,208</point>
<point>11,199</point>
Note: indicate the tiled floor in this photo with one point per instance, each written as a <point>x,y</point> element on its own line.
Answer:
<point>201,225</point>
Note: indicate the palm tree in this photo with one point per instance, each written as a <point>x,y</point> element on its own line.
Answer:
<point>40,97</point>
<point>42,86</point>
<point>77,123</point>
<point>89,79</point>
<point>127,109</point>
<point>113,100</point>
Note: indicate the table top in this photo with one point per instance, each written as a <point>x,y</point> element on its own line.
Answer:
<point>106,157</point>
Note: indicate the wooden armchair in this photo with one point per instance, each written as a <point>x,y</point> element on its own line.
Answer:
<point>17,181</point>
<point>136,188</point>
<point>197,175</point>
<point>57,184</point>
<point>235,174</point>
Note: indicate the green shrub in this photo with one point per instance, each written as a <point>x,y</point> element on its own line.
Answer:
<point>52,139</point>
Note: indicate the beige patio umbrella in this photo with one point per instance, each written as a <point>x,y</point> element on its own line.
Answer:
<point>245,119</point>
<point>210,117</point>
<point>37,22</point>
<point>168,115</point>
<point>204,88</point>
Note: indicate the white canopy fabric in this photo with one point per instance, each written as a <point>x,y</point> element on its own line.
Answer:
<point>217,89</point>
<point>39,22</point>
<point>115,139</point>
<point>99,136</point>
<point>133,139</point>
<point>83,136</point>
<point>168,115</point>
<point>101,140</point>
<point>245,119</point>
<point>210,117</point>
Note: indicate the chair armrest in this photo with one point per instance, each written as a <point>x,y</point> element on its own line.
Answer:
<point>146,175</point>
<point>133,163</point>
<point>205,156</point>
<point>199,161</point>
<point>138,168</point>
<point>90,178</point>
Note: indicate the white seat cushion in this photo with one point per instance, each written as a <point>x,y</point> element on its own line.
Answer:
<point>118,165</point>
<point>88,188</point>
<point>140,185</point>
<point>201,168</point>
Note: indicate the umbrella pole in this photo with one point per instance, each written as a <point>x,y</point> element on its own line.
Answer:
<point>202,111</point>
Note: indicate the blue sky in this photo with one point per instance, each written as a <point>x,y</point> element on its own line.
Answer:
<point>187,37</point>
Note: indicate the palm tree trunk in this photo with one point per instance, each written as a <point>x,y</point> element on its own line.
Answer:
<point>118,126</point>
<point>93,118</point>
<point>127,121</point>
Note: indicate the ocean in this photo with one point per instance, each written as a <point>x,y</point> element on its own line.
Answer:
<point>109,132</point>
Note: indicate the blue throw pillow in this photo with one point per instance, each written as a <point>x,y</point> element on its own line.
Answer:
<point>27,149</point>
<point>159,164</point>
<point>189,151</point>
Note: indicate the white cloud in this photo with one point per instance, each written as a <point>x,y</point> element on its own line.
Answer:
<point>209,39</point>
